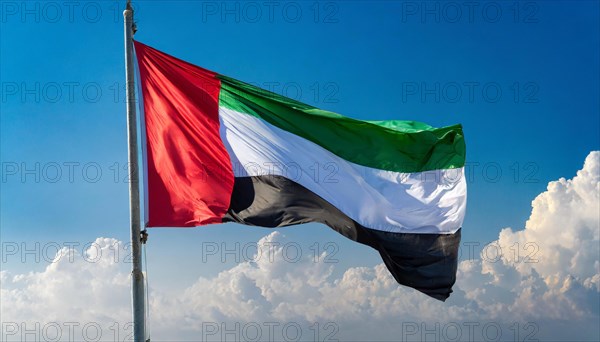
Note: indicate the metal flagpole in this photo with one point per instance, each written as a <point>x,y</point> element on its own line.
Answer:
<point>137,277</point>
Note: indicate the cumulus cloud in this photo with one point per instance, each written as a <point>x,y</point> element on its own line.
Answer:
<point>76,289</point>
<point>543,284</point>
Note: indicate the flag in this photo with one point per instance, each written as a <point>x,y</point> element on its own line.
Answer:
<point>220,150</point>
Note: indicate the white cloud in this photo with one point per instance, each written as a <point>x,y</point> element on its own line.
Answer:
<point>552,294</point>
<point>74,290</point>
<point>553,264</point>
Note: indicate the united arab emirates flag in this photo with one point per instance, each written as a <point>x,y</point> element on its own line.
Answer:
<point>220,150</point>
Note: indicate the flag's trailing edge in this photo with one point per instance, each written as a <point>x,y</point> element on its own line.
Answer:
<point>220,150</point>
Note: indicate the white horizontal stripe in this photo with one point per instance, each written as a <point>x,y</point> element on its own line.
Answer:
<point>421,202</point>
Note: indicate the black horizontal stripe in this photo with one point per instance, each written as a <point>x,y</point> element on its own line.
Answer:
<point>425,262</point>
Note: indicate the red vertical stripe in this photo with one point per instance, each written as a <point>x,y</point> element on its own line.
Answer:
<point>189,173</point>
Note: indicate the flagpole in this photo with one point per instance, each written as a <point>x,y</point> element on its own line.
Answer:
<point>137,277</point>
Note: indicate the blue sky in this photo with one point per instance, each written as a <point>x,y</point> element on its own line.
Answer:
<point>521,77</point>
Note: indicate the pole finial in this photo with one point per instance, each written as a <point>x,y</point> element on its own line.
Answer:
<point>129,11</point>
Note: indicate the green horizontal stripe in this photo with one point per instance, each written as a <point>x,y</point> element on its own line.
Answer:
<point>394,145</point>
